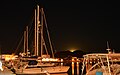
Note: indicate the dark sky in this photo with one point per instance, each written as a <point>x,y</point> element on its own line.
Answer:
<point>73,24</point>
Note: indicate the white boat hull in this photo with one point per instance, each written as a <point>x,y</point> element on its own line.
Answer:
<point>45,70</point>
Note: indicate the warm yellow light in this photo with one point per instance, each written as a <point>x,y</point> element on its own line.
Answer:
<point>10,57</point>
<point>72,50</point>
<point>49,59</point>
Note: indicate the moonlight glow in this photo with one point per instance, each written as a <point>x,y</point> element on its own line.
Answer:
<point>72,50</point>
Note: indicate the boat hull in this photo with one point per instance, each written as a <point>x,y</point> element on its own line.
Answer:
<point>45,70</point>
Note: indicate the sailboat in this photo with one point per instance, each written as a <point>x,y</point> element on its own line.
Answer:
<point>40,63</point>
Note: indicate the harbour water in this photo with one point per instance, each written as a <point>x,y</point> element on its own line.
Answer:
<point>75,69</point>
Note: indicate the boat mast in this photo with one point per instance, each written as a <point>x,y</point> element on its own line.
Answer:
<point>35,53</point>
<point>41,31</point>
<point>27,40</point>
<point>24,42</point>
<point>0,52</point>
<point>38,22</point>
<point>108,49</point>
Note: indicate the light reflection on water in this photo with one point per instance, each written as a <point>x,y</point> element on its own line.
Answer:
<point>75,69</point>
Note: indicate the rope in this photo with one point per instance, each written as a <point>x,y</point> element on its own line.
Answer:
<point>48,35</point>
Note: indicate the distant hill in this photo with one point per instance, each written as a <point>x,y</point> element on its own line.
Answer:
<point>65,54</point>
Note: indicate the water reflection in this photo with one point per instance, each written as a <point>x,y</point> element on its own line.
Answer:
<point>75,67</point>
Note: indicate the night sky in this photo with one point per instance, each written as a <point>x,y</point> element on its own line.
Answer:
<point>73,24</point>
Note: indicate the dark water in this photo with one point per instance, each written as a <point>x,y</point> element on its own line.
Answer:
<point>75,69</point>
